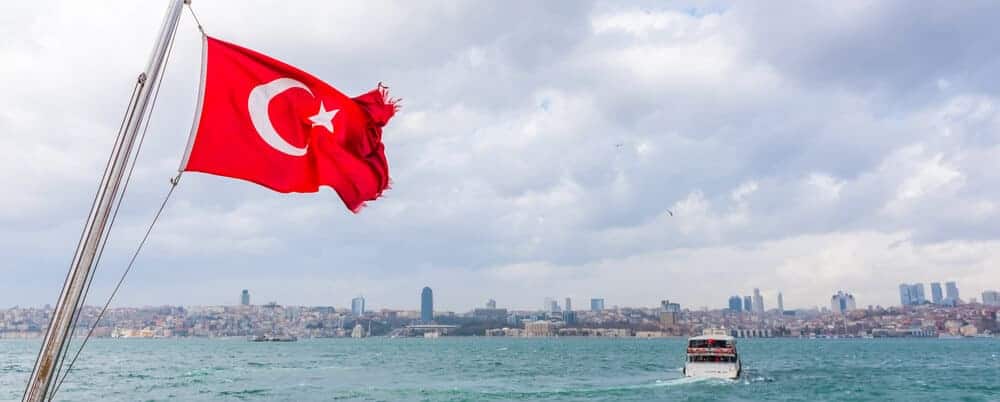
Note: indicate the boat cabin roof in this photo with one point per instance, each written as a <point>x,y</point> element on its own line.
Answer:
<point>714,337</point>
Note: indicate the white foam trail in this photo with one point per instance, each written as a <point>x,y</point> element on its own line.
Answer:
<point>680,381</point>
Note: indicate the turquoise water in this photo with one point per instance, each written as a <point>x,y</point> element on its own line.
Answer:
<point>498,369</point>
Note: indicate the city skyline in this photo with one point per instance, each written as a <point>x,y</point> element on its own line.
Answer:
<point>550,178</point>
<point>426,303</point>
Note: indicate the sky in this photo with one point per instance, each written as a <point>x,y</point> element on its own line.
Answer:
<point>802,147</point>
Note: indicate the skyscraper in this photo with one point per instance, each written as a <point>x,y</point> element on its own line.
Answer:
<point>747,304</point>
<point>358,306</point>
<point>842,302</point>
<point>596,304</point>
<point>758,302</point>
<point>735,304</point>
<point>911,294</point>
<point>245,298</point>
<point>781,303</point>
<point>936,293</point>
<point>991,298</point>
<point>491,304</point>
<point>951,291</point>
<point>569,305</point>
<point>426,305</point>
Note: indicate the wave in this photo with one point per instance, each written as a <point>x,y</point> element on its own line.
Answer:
<point>243,394</point>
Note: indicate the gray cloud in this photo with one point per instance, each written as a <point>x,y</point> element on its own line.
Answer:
<point>802,147</point>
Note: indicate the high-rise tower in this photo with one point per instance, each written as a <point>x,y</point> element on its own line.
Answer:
<point>358,306</point>
<point>758,302</point>
<point>427,305</point>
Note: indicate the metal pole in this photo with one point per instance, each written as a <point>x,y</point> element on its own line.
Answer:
<point>60,326</point>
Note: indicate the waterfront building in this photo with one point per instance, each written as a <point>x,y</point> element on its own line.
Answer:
<point>426,305</point>
<point>569,305</point>
<point>538,328</point>
<point>781,304</point>
<point>596,304</point>
<point>936,296</point>
<point>911,294</point>
<point>358,306</point>
<point>747,304</point>
<point>951,292</point>
<point>735,304</point>
<point>991,298</point>
<point>758,302</point>
<point>842,302</point>
<point>358,331</point>
<point>245,298</point>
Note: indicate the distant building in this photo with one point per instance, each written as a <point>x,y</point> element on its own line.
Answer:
<point>781,303</point>
<point>668,319</point>
<point>491,304</point>
<point>426,305</point>
<point>936,296</point>
<point>358,306</point>
<point>358,331</point>
<point>667,306</point>
<point>758,302</point>
<point>911,294</point>
<point>951,292</point>
<point>842,302</point>
<point>735,304</point>
<point>569,305</point>
<point>991,298</point>
<point>245,298</point>
<point>538,328</point>
<point>569,317</point>
<point>747,304</point>
<point>550,305</point>
<point>596,304</point>
<point>490,314</point>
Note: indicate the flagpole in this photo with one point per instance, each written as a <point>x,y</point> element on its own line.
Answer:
<point>60,325</point>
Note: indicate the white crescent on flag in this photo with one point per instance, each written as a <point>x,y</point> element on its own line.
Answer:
<point>257,103</point>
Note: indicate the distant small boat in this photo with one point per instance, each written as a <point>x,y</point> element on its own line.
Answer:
<point>273,338</point>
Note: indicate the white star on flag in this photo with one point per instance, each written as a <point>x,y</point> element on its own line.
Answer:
<point>324,118</point>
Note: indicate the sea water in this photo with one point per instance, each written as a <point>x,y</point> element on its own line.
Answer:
<point>502,369</point>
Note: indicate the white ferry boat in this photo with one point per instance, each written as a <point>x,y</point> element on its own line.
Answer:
<point>712,355</point>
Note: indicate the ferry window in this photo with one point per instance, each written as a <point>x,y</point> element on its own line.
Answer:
<point>709,343</point>
<point>712,359</point>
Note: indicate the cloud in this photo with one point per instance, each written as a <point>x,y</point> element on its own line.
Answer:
<point>804,148</point>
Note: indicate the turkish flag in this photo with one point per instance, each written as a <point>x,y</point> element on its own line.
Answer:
<point>267,122</point>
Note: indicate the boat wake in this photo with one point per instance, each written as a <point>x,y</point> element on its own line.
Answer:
<point>685,381</point>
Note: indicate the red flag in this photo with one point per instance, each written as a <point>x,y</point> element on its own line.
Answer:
<point>267,122</point>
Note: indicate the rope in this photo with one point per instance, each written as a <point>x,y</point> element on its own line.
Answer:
<point>128,268</point>
<point>196,20</point>
<point>111,224</point>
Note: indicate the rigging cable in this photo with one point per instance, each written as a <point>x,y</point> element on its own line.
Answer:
<point>173,184</point>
